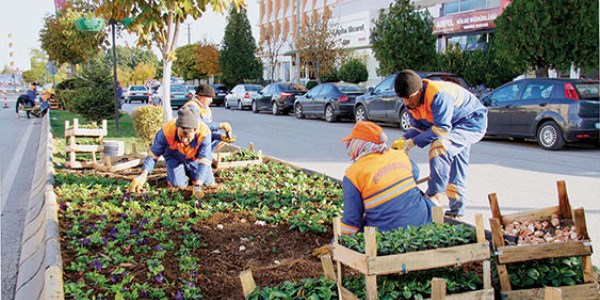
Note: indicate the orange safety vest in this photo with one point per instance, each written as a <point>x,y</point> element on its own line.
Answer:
<point>170,132</point>
<point>432,88</point>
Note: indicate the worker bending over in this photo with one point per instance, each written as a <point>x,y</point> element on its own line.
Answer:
<point>379,187</point>
<point>185,144</point>
<point>451,119</point>
<point>201,104</point>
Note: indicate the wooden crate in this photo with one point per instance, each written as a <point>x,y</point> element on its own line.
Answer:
<point>120,163</point>
<point>220,162</point>
<point>514,254</point>
<point>249,285</point>
<point>72,148</point>
<point>371,265</point>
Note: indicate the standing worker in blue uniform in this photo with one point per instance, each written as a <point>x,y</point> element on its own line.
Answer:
<point>450,119</point>
<point>379,187</point>
<point>201,104</point>
<point>185,144</point>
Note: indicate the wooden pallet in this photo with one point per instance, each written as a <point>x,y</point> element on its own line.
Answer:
<point>120,163</point>
<point>72,148</point>
<point>514,254</point>
<point>220,162</point>
<point>371,265</point>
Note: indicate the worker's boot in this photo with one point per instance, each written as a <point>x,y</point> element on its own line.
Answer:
<point>439,199</point>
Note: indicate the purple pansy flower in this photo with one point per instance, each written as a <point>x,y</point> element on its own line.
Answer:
<point>142,242</point>
<point>113,232</point>
<point>158,248</point>
<point>113,278</point>
<point>63,206</point>
<point>102,217</point>
<point>123,215</point>
<point>190,284</point>
<point>86,241</point>
<point>194,274</point>
<point>143,222</point>
<point>143,293</point>
<point>135,231</point>
<point>179,296</point>
<point>127,196</point>
<point>96,264</point>
<point>159,278</point>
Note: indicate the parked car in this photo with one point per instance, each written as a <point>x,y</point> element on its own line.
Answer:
<point>241,96</point>
<point>136,93</point>
<point>220,92</point>
<point>277,97</point>
<point>330,101</point>
<point>381,103</point>
<point>550,110</point>
<point>179,95</point>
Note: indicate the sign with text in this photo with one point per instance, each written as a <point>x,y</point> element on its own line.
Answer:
<point>354,33</point>
<point>467,21</point>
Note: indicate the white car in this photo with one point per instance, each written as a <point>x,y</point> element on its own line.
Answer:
<point>136,93</point>
<point>241,96</point>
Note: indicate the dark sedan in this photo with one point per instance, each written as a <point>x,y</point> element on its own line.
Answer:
<point>381,103</point>
<point>220,92</point>
<point>552,111</point>
<point>277,97</point>
<point>330,101</point>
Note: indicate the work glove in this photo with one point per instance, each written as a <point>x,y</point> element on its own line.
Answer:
<point>398,144</point>
<point>137,183</point>
<point>408,145</point>
<point>197,192</point>
<point>227,138</point>
<point>225,126</point>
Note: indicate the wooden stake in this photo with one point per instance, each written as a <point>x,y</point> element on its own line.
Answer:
<point>437,214</point>
<point>563,200</point>
<point>134,149</point>
<point>494,206</point>
<point>588,269</point>
<point>498,241</point>
<point>251,147</point>
<point>66,127</point>
<point>327,264</point>
<point>487,275</point>
<point>480,228</point>
<point>371,251</point>
<point>438,289</point>
<point>580,225</point>
<point>337,229</point>
<point>552,293</point>
<point>248,283</point>
<point>75,124</point>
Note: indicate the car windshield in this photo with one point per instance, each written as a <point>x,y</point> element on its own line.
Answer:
<point>138,88</point>
<point>178,89</point>
<point>588,90</point>
<point>253,88</point>
<point>347,89</point>
<point>292,88</point>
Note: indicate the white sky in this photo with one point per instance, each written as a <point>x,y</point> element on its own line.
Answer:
<point>25,18</point>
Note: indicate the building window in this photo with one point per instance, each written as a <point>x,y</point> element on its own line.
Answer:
<point>468,5</point>
<point>469,42</point>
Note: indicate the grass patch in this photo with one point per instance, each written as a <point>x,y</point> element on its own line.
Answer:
<point>57,124</point>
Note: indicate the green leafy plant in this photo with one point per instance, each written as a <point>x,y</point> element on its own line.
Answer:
<point>546,272</point>
<point>242,155</point>
<point>309,288</point>
<point>411,238</point>
<point>354,70</point>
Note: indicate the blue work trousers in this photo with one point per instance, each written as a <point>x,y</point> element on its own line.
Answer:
<point>178,173</point>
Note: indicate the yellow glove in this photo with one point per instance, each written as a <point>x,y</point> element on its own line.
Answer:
<point>197,192</point>
<point>399,144</point>
<point>137,184</point>
<point>225,126</point>
<point>228,138</point>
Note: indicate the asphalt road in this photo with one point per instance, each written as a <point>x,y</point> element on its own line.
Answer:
<point>20,140</point>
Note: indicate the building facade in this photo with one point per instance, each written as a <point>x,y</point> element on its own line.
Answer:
<point>466,23</point>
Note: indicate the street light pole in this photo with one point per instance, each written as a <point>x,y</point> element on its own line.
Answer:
<point>115,87</point>
<point>297,30</point>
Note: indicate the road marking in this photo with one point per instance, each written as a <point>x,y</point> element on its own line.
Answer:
<point>14,164</point>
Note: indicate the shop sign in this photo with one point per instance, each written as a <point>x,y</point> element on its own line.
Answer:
<point>467,21</point>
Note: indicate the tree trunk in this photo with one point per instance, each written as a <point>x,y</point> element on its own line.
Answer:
<point>166,89</point>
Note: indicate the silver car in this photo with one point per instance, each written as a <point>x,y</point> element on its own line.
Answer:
<point>241,95</point>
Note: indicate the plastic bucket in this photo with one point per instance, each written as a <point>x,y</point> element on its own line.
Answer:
<point>114,148</point>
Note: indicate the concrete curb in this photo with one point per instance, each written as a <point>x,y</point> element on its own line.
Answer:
<point>40,264</point>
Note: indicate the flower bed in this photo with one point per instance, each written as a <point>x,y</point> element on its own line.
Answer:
<point>267,218</point>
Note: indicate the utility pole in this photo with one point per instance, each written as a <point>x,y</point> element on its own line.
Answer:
<point>189,33</point>
<point>297,34</point>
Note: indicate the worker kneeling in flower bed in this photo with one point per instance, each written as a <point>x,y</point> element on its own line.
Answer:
<point>185,143</point>
<point>379,187</point>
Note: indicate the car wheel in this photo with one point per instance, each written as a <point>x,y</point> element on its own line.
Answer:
<point>329,115</point>
<point>254,107</point>
<point>360,114</point>
<point>275,108</point>
<point>226,104</point>
<point>298,111</point>
<point>404,120</point>
<point>240,105</point>
<point>549,136</point>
